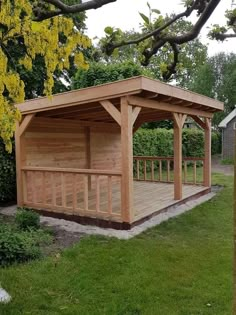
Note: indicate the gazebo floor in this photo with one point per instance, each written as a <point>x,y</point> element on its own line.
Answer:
<point>150,198</point>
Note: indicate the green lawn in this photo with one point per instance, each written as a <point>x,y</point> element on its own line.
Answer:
<point>183,266</point>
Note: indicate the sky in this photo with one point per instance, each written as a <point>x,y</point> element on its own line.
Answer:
<point>125,15</point>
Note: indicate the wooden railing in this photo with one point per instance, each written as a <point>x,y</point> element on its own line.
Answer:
<point>86,192</point>
<point>161,169</point>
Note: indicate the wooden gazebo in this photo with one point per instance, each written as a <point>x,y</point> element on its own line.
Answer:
<point>74,152</point>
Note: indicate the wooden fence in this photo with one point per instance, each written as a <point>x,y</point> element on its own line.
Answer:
<point>161,169</point>
<point>87,192</point>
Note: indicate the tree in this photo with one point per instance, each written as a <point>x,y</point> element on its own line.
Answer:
<point>157,34</point>
<point>192,54</point>
<point>27,40</point>
<point>216,79</point>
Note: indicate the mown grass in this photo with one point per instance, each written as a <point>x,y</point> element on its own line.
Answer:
<point>182,267</point>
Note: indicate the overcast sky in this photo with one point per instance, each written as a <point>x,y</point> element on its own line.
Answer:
<point>124,14</point>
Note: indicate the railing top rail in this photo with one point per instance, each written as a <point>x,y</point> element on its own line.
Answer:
<point>72,170</point>
<point>153,158</point>
<point>170,158</point>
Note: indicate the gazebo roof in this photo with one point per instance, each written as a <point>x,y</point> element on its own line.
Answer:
<point>84,104</point>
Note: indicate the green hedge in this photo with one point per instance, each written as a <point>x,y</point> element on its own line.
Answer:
<point>159,142</point>
<point>7,175</point>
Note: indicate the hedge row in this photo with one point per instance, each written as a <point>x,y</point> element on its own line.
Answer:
<point>7,175</point>
<point>159,142</point>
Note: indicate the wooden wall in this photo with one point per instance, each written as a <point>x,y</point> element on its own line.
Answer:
<point>64,143</point>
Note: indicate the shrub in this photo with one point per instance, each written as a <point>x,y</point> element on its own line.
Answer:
<point>26,219</point>
<point>159,142</point>
<point>216,142</point>
<point>7,175</point>
<point>100,73</point>
<point>17,246</point>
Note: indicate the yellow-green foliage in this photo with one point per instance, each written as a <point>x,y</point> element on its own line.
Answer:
<point>39,38</point>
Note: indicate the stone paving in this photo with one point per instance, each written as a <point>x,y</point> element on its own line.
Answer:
<point>94,230</point>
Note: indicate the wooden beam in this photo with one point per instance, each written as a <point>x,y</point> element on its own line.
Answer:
<point>139,101</point>
<point>25,123</point>
<point>112,110</point>
<point>135,113</point>
<point>126,162</point>
<point>207,157</point>
<point>179,120</point>
<point>199,121</point>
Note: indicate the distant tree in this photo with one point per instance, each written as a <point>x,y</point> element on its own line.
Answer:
<point>191,56</point>
<point>217,79</point>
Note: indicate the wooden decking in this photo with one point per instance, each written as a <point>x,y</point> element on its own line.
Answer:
<point>149,198</point>
<point>153,197</point>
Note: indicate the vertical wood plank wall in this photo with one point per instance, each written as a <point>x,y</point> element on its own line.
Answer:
<point>63,143</point>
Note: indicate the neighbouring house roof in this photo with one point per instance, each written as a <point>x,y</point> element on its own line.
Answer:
<point>227,119</point>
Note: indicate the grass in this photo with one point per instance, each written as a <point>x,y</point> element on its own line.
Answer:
<point>227,162</point>
<point>181,267</point>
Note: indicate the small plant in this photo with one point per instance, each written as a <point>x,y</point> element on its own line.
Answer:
<point>17,246</point>
<point>26,219</point>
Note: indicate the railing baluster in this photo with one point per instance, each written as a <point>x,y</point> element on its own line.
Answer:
<point>33,185</point>
<point>54,192</point>
<point>109,191</point>
<point>185,172</point>
<point>138,177</point>
<point>152,170</point>
<point>85,192</point>
<point>160,170</point>
<point>168,170</point>
<point>97,183</point>
<point>74,197</point>
<point>63,192</point>
<point>145,169</point>
<point>195,172</point>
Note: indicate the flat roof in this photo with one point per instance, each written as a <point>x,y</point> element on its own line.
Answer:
<point>138,86</point>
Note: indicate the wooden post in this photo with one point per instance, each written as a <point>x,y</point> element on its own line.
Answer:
<point>179,120</point>
<point>207,157</point>
<point>126,161</point>
<point>19,180</point>
<point>19,132</point>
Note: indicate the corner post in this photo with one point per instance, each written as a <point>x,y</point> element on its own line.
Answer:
<point>207,150</point>
<point>19,181</point>
<point>126,161</point>
<point>19,144</point>
<point>179,120</point>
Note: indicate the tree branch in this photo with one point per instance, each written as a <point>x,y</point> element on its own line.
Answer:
<point>222,37</point>
<point>62,8</point>
<point>156,32</point>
